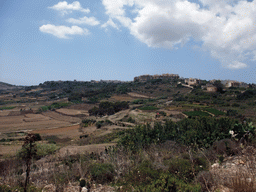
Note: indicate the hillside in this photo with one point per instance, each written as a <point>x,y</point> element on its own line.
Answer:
<point>142,135</point>
<point>7,86</point>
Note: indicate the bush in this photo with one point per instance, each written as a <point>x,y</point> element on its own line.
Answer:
<point>235,105</point>
<point>42,150</point>
<point>46,149</point>
<point>99,124</point>
<point>130,120</point>
<point>198,132</point>
<point>108,108</point>
<point>232,112</point>
<point>185,170</point>
<point>168,183</point>
<point>102,172</point>
<point>38,137</point>
<point>87,122</point>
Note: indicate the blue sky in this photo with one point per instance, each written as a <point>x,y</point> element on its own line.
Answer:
<point>118,40</point>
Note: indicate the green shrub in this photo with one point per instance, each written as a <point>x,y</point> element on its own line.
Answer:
<point>5,108</point>
<point>102,172</point>
<point>46,149</point>
<point>235,105</point>
<point>138,101</point>
<point>87,122</point>
<point>108,108</point>
<point>99,124</point>
<point>140,177</point>
<point>232,112</point>
<point>131,120</point>
<point>42,150</point>
<point>199,132</point>
<point>182,169</point>
<point>169,183</point>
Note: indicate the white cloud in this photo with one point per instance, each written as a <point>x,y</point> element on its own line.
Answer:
<point>109,23</point>
<point>65,8</point>
<point>226,28</point>
<point>63,31</point>
<point>237,65</point>
<point>84,20</point>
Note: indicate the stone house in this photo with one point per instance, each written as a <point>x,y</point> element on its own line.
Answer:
<point>192,81</point>
<point>211,88</point>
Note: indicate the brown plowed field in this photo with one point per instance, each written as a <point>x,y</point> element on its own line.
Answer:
<point>72,112</point>
<point>22,122</point>
<point>82,106</point>
<point>121,98</point>
<point>4,113</point>
<point>69,131</point>
<point>57,116</point>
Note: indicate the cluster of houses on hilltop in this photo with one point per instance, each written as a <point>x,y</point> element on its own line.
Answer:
<point>210,86</point>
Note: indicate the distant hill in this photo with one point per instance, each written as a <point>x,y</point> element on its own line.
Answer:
<point>6,86</point>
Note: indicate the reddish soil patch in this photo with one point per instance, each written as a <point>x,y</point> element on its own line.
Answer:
<point>82,106</point>
<point>121,98</point>
<point>56,130</point>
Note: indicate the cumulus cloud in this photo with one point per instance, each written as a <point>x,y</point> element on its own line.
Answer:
<point>236,65</point>
<point>65,8</point>
<point>225,28</point>
<point>110,23</point>
<point>63,31</point>
<point>84,20</point>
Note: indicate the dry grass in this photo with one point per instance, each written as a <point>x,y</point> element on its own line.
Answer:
<point>237,173</point>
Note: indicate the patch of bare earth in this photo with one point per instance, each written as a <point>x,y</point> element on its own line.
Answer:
<point>124,97</point>
<point>29,122</point>
<point>62,132</point>
<point>72,112</point>
<point>60,117</point>
<point>138,95</point>
<point>82,106</point>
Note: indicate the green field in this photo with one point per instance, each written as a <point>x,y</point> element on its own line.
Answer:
<point>54,106</point>
<point>215,111</point>
<point>196,113</point>
<point>5,108</point>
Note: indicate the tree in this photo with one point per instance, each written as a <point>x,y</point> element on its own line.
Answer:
<point>28,152</point>
<point>219,86</point>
